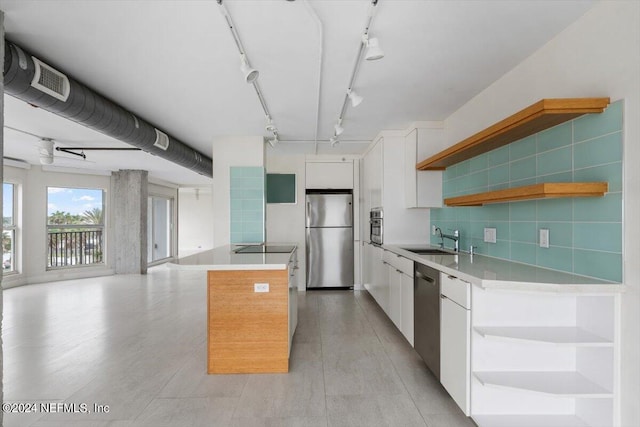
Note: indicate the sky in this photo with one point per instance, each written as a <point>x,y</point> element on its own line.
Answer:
<point>7,199</point>
<point>72,200</point>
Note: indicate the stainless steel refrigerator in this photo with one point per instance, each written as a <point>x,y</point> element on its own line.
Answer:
<point>329,230</point>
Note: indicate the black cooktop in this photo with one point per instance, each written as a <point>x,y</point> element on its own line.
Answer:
<point>265,249</point>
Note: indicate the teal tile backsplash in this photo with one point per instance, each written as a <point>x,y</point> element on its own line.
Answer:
<point>247,204</point>
<point>585,233</point>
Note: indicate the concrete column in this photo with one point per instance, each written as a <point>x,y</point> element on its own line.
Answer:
<point>130,195</point>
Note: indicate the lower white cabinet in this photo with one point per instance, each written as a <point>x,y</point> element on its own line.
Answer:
<point>455,340</point>
<point>400,275</point>
<point>406,307</point>
<point>395,295</point>
<point>293,296</point>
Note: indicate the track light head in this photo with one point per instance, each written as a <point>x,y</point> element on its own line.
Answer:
<point>270,127</point>
<point>249,74</point>
<point>373,49</point>
<point>355,98</point>
<point>338,127</point>
<point>334,141</point>
<point>273,142</point>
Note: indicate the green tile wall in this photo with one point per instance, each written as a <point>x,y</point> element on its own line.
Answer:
<point>247,204</point>
<point>585,233</point>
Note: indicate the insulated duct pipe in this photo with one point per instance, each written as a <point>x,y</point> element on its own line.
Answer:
<point>29,79</point>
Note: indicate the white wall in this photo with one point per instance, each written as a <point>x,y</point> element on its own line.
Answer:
<point>230,151</point>
<point>599,55</point>
<point>32,246</point>
<point>285,223</point>
<point>170,191</point>
<point>195,220</point>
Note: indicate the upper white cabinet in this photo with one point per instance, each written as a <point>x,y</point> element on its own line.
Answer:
<point>329,175</point>
<point>422,189</point>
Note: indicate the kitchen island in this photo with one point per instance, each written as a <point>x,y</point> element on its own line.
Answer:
<point>251,306</point>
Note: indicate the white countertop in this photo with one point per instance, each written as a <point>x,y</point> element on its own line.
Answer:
<point>495,273</point>
<point>223,258</point>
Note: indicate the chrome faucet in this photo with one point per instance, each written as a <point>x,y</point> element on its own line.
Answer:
<point>455,237</point>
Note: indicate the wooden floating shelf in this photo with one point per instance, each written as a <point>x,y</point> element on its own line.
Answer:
<point>542,115</point>
<point>544,190</point>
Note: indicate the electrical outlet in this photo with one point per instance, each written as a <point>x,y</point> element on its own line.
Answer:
<point>544,237</point>
<point>490,235</point>
<point>260,287</point>
<point>433,230</point>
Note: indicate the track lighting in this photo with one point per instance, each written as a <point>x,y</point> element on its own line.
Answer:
<point>338,127</point>
<point>274,141</point>
<point>270,127</point>
<point>355,98</point>
<point>249,74</point>
<point>334,141</point>
<point>373,49</point>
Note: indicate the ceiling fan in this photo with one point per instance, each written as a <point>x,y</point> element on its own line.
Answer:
<point>46,147</point>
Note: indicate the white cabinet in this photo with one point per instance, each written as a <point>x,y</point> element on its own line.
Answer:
<point>395,295</point>
<point>422,189</point>
<point>406,307</point>
<point>400,278</point>
<point>329,175</point>
<point>378,285</point>
<point>293,296</point>
<point>455,340</point>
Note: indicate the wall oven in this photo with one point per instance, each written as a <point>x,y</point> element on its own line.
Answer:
<point>376,228</point>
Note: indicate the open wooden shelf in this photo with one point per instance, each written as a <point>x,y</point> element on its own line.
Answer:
<point>543,190</point>
<point>542,115</point>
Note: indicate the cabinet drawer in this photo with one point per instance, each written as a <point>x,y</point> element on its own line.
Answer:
<point>399,262</point>
<point>456,290</point>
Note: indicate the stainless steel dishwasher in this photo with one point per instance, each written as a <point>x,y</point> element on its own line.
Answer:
<point>426,316</point>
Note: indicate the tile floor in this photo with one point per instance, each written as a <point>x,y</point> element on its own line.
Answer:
<point>138,344</point>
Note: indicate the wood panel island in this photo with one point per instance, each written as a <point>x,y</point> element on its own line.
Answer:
<point>252,309</point>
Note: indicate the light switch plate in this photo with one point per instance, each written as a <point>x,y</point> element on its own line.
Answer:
<point>260,287</point>
<point>490,235</point>
<point>544,237</point>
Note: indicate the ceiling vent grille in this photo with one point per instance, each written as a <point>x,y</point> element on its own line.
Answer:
<point>50,81</point>
<point>162,140</point>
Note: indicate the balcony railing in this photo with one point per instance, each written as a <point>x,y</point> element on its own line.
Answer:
<point>75,247</point>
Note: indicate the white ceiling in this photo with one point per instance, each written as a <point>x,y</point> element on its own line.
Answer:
<point>175,64</point>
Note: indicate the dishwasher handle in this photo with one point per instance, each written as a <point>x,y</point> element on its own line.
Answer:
<point>424,277</point>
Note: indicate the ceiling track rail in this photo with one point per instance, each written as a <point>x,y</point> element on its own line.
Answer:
<point>256,86</point>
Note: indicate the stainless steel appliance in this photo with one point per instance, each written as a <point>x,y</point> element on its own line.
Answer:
<point>329,229</point>
<point>426,316</point>
<point>376,226</point>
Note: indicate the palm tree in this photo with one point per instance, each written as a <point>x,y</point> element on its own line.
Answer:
<point>93,216</point>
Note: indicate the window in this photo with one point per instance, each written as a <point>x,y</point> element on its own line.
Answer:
<point>159,228</point>
<point>75,227</point>
<point>9,227</point>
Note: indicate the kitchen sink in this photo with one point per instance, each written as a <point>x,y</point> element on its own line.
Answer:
<point>428,251</point>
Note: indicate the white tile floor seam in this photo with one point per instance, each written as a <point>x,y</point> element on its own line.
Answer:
<point>138,344</point>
